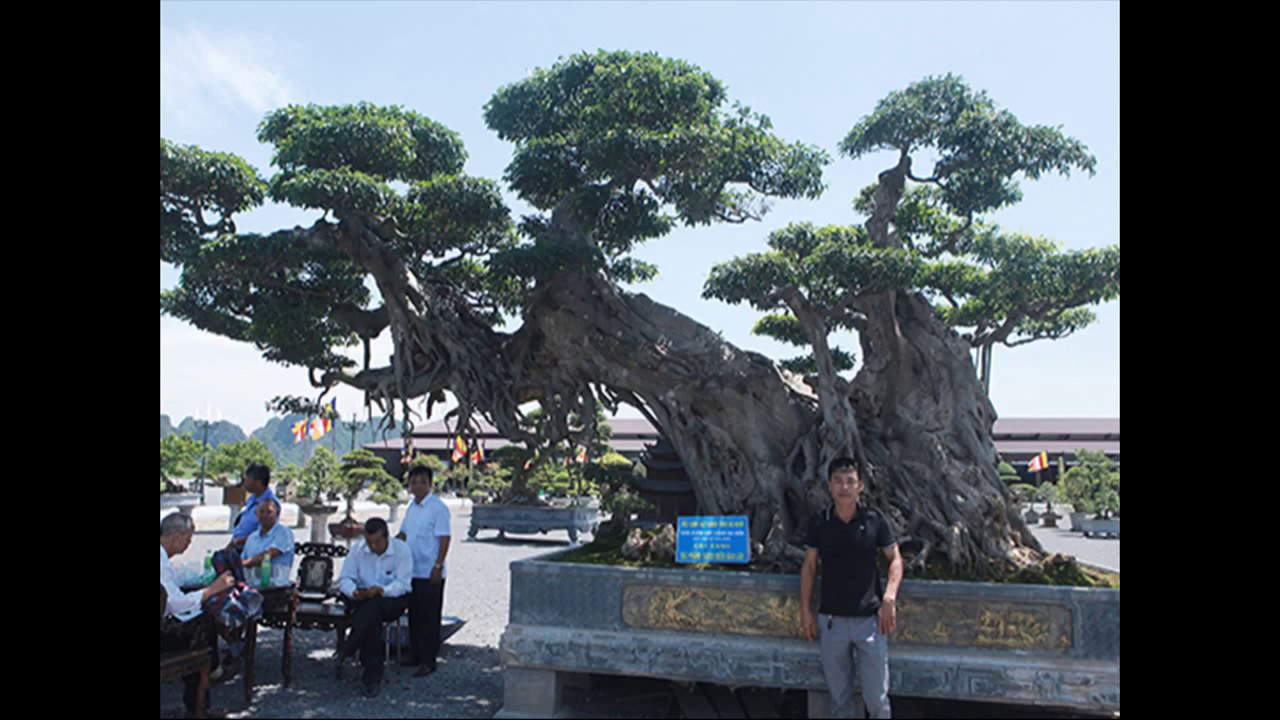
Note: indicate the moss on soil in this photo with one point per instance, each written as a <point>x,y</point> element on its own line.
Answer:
<point>1054,570</point>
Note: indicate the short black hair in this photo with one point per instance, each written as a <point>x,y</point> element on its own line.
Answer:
<point>421,470</point>
<point>375,526</point>
<point>259,472</point>
<point>842,464</point>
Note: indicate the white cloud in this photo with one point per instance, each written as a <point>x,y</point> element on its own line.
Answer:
<point>206,76</point>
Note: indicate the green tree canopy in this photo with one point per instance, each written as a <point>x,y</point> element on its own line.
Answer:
<point>228,462</point>
<point>179,457</point>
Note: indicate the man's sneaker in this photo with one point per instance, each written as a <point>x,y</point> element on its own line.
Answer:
<point>371,691</point>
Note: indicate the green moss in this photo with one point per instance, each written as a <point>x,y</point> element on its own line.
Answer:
<point>1054,570</point>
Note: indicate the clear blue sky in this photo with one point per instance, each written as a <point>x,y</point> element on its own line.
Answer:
<point>813,68</point>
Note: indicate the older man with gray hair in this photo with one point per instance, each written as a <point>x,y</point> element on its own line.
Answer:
<point>272,540</point>
<point>176,531</point>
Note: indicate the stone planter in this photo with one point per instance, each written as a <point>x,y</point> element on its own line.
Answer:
<point>319,515</point>
<point>1077,521</point>
<point>1018,644</point>
<point>528,519</point>
<point>1109,526</point>
<point>184,502</point>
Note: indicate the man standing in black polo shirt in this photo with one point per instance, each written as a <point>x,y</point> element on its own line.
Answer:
<point>853,611</point>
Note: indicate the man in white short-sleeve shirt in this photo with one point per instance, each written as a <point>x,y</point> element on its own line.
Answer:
<point>426,529</point>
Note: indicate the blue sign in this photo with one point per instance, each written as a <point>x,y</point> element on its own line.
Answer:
<point>713,539</point>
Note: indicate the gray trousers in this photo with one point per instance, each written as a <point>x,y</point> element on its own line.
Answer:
<point>838,636</point>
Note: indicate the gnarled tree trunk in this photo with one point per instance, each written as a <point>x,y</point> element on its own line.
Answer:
<point>753,438</point>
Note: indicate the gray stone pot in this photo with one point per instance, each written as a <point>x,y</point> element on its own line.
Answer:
<point>528,519</point>
<point>1021,644</point>
<point>1078,520</point>
<point>1098,526</point>
<point>184,502</point>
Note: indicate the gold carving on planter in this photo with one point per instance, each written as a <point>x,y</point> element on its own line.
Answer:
<point>712,610</point>
<point>974,623</point>
<point>966,622</point>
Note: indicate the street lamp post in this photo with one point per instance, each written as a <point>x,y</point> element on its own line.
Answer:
<point>204,453</point>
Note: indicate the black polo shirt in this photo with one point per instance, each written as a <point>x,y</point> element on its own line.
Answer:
<point>851,582</point>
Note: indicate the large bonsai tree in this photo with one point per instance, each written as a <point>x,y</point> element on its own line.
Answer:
<point>612,149</point>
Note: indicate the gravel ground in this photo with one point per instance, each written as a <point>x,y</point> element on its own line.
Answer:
<point>468,683</point>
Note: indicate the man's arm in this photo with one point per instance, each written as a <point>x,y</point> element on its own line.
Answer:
<point>889,603</point>
<point>347,578</point>
<point>438,571</point>
<point>808,579</point>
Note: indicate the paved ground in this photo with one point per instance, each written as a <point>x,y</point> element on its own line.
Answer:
<point>1098,551</point>
<point>469,681</point>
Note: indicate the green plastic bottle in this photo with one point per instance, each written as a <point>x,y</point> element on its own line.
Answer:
<point>207,576</point>
<point>264,575</point>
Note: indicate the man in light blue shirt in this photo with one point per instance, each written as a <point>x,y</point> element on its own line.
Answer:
<point>376,578</point>
<point>272,540</point>
<point>255,481</point>
<point>426,529</point>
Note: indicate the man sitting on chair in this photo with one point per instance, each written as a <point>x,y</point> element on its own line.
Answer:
<point>272,539</point>
<point>176,531</point>
<point>376,577</point>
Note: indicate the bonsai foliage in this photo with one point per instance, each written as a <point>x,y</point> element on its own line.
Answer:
<point>227,462</point>
<point>924,241</point>
<point>363,469</point>
<point>1047,493</point>
<point>1008,474</point>
<point>612,149</point>
<point>1093,483</point>
<point>179,457</point>
<point>320,476</point>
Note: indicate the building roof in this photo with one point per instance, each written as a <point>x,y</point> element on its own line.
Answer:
<point>1013,436</point>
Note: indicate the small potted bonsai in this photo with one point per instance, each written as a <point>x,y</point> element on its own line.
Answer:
<point>1092,485</point>
<point>361,469</point>
<point>317,481</point>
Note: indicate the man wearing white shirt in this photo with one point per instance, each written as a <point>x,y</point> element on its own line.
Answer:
<point>271,539</point>
<point>176,531</point>
<point>376,577</point>
<point>426,528</point>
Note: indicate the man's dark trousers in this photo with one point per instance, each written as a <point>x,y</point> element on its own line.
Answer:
<point>366,636</point>
<point>424,621</point>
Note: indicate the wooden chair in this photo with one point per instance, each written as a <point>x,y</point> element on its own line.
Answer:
<point>177,664</point>
<point>318,605</point>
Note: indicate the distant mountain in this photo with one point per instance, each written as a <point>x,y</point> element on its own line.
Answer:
<point>278,436</point>
<point>220,432</point>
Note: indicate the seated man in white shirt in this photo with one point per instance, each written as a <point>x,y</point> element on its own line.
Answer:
<point>376,577</point>
<point>271,539</point>
<point>176,531</point>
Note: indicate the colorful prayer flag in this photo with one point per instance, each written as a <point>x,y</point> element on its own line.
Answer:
<point>299,431</point>
<point>1038,463</point>
<point>459,448</point>
<point>582,456</point>
<point>407,456</point>
<point>477,455</point>
<point>317,429</point>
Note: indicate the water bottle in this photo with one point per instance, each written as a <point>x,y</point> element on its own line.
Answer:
<point>206,577</point>
<point>265,574</point>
